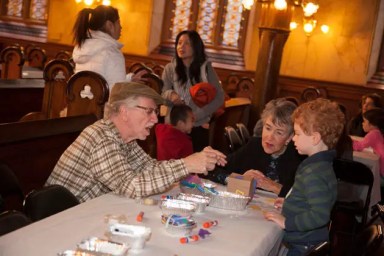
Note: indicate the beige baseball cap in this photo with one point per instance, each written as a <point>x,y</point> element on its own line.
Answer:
<point>121,91</point>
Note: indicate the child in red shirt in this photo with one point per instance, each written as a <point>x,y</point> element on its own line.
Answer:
<point>173,141</point>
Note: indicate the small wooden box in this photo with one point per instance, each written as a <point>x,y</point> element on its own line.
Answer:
<point>241,185</point>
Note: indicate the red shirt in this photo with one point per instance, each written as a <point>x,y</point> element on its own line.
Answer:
<point>172,143</point>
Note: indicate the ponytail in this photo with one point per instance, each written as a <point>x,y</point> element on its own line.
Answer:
<point>92,19</point>
<point>81,27</point>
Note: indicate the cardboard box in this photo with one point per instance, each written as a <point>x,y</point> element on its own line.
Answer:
<point>242,185</point>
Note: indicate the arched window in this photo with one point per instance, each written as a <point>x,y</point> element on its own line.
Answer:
<point>25,19</point>
<point>220,23</point>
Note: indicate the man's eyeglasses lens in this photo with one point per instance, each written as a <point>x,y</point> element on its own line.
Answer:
<point>149,110</point>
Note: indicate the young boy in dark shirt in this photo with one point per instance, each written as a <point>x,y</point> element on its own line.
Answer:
<point>307,207</point>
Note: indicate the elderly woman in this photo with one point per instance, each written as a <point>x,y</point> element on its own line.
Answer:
<point>272,158</point>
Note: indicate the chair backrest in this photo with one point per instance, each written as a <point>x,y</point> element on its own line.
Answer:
<point>87,94</point>
<point>63,55</point>
<point>245,87</point>
<point>135,66</point>
<point>56,74</point>
<point>12,220</point>
<point>322,249</point>
<point>243,131</point>
<point>356,173</point>
<point>231,116</point>
<point>158,69</point>
<point>10,189</point>
<point>49,200</point>
<point>312,93</point>
<point>37,57</point>
<point>154,81</point>
<point>12,59</point>
<point>231,84</point>
<point>369,240</point>
<point>233,138</point>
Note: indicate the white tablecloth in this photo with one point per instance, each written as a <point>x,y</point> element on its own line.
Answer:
<point>238,233</point>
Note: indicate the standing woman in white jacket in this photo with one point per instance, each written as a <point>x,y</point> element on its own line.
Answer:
<point>96,32</point>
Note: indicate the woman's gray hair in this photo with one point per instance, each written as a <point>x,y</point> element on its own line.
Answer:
<point>112,109</point>
<point>280,110</point>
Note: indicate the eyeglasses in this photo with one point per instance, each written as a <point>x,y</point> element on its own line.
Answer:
<point>149,111</point>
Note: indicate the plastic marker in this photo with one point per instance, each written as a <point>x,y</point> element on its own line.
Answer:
<point>139,217</point>
<point>209,224</point>
<point>188,239</point>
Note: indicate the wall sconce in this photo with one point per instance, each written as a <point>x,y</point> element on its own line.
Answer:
<point>309,7</point>
<point>247,4</point>
<point>91,2</point>
<point>309,21</point>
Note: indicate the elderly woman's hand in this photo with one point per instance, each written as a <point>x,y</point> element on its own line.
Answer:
<point>263,181</point>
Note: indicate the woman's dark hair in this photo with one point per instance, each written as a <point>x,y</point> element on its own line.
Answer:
<point>376,98</point>
<point>179,113</point>
<point>375,117</point>
<point>96,21</point>
<point>199,57</point>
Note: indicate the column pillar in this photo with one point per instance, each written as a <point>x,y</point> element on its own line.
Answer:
<point>273,33</point>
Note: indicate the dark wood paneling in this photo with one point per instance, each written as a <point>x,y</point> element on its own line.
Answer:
<point>31,149</point>
<point>18,99</point>
<point>347,94</point>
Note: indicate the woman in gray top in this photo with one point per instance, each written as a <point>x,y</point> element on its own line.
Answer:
<point>189,67</point>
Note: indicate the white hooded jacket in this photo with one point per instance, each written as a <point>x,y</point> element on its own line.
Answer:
<point>101,54</point>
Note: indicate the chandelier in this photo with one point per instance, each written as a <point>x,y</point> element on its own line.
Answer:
<point>309,8</point>
<point>91,2</point>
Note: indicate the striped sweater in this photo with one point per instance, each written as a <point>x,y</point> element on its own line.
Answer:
<point>308,206</point>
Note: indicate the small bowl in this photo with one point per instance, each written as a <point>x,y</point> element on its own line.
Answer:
<point>178,225</point>
<point>229,201</point>
<point>177,207</point>
<point>201,201</point>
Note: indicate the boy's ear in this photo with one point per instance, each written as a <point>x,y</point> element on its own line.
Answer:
<point>316,138</point>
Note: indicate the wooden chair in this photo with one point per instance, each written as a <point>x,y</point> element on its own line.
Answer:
<point>245,88</point>
<point>231,84</point>
<point>87,93</point>
<point>312,93</point>
<point>12,59</point>
<point>158,69</point>
<point>154,81</point>
<point>56,74</point>
<point>135,66</point>
<point>63,55</point>
<point>37,58</point>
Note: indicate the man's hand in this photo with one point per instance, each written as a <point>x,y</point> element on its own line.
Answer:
<point>204,161</point>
